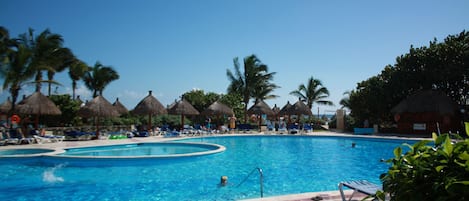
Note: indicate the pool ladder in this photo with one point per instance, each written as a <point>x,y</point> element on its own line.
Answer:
<point>261,179</point>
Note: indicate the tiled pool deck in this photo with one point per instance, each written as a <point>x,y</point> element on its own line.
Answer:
<point>328,195</point>
<point>312,196</point>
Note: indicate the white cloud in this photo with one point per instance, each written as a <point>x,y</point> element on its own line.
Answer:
<point>82,91</point>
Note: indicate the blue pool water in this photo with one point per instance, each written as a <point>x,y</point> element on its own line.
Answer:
<point>291,164</point>
<point>142,149</point>
<point>9,152</point>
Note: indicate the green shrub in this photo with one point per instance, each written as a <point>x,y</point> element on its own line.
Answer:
<point>438,171</point>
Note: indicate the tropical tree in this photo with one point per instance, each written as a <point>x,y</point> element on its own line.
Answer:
<point>439,66</point>
<point>48,53</point>
<point>7,45</point>
<point>199,99</point>
<point>99,77</point>
<point>59,61</point>
<point>253,82</point>
<point>77,71</point>
<point>17,71</point>
<point>313,92</point>
<point>345,102</point>
<point>264,91</point>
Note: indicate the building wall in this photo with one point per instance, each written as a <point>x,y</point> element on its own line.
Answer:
<point>427,122</point>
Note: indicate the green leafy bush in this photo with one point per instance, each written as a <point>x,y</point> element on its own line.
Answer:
<point>438,171</point>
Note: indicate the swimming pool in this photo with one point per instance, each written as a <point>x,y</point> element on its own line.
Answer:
<point>145,150</point>
<point>291,164</point>
<point>23,152</point>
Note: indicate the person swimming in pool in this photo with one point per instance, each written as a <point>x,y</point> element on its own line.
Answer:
<point>223,180</point>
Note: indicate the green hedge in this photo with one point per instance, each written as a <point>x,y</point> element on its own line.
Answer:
<point>430,170</point>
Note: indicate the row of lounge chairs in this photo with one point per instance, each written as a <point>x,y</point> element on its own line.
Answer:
<point>15,137</point>
<point>281,129</point>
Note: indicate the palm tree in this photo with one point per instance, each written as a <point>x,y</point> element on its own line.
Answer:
<point>17,71</point>
<point>313,92</point>
<point>345,102</point>
<point>59,61</point>
<point>7,44</point>
<point>99,77</point>
<point>76,71</point>
<point>48,51</point>
<point>254,82</point>
<point>264,91</point>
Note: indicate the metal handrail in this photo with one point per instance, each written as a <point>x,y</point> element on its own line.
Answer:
<point>261,179</point>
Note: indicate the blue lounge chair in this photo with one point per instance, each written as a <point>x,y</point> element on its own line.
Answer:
<point>293,129</point>
<point>141,133</point>
<point>281,128</point>
<point>307,128</point>
<point>362,186</point>
<point>173,133</point>
<point>244,127</point>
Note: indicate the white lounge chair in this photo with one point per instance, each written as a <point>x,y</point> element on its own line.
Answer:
<point>42,140</point>
<point>362,186</point>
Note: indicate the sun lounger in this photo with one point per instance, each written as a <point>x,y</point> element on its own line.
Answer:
<point>293,129</point>
<point>141,133</point>
<point>42,140</point>
<point>9,140</point>
<point>244,127</point>
<point>361,186</point>
<point>307,128</point>
<point>54,138</point>
<point>172,134</point>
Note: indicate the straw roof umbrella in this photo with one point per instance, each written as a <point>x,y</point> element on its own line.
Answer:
<point>98,107</point>
<point>427,101</point>
<point>149,106</point>
<point>261,108</point>
<point>38,104</point>
<point>299,108</point>
<point>276,109</point>
<point>218,108</point>
<point>182,108</point>
<point>119,107</point>
<point>5,107</point>
<point>285,110</point>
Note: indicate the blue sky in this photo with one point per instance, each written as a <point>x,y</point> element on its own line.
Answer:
<point>174,46</point>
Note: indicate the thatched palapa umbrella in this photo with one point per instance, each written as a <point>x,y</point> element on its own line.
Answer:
<point>5,107</point>
<point>149,106</point>
<point>38,104</point>
<point>299,108</point>
<point>98,107</point>
<point>427,101</point>
<point>276,109</point>
<point>261,108</point>
<point>218,109</point>
<point>285,110</point>
<point>182,108</point>
<point>119,107</point>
